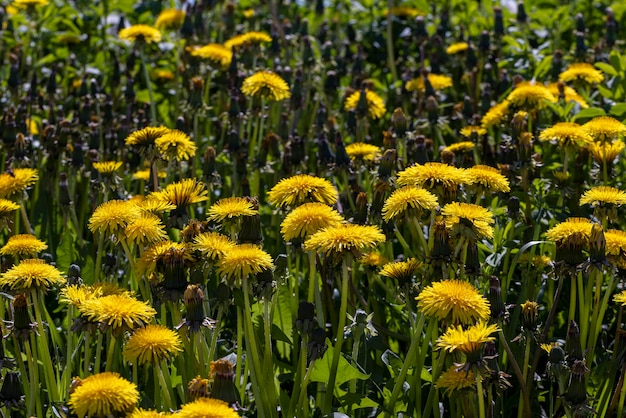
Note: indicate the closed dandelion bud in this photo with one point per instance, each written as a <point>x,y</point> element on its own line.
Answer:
<point>420,27</point>
<point>521,16</point>
<point>22,322</point>
<point>557,68</point>
<point>513,207</point>
<point>325,154</point>
<point>484,41</point>
<point>129,91</point>
<point>250,232</point>
<point>209,161</point>
<point>381,189</point>
<point>223,376</point>
<point>14,76</point>
<point>73,275</point>
<point>305,322</point>
<point>387,163</point>
<point>223,293</point>
<point>494,297</point>
<point>525,147</point>
<point>577,389</point>
<point>498,21</point>
<point>597,244</point>
<point>441,242</point>
<point>573,346</point>
<point>188,26</point>
<point>447,157</point>
<point>556,355</point>
<point>490,354</point>
<point>11,394</point>
<point>198,388</point>
<point>351,121</point>
<point>64,192</point>
<point>360,217</point>
<point>399,122</point>
<point>432,107</point>
<point>611,27</point>
<point>172,266</point>
<point>530,315</point>
<point>580,22</point>
<point>471,60</point>
<point>581,48</point>
<point>342,159</point>
<point>317,344</point>
<point>234,142</point>
<point>192,298</point>
<point>472,263</point>
<point>331,84</point>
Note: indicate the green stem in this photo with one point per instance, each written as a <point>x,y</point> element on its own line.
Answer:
<point>391,62</point>
<point>110,351</point>
<point>87,360</point>
<point>165,386</point>
<point>96,367</point>
<point>50,376</point>
<point>520,408</point>
<point>146,74</point>
<point>216,333</point>
<point>481,397</point>
<point>518,373</point>
<point>33,376</point>
<point>98,264</point>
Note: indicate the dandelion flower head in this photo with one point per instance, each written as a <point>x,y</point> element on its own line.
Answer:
<point>344,237</point>
<point>104,394</point>
<point>302,188</point>
<point>488,178</point>
<point>454,379</point>
<point>469,220</point>
<point>495,115</point>
<point>455,301</point>
<point>120,312</point>
<point>606,152</point>
<point>145,229</point>
<point>570,95</point>
<point>401,271</point>
<point>457,47</point>
<point>409,201</point>
<point>266,84</point>
<point>206,408</point>
<point>231,208</point>
<point>107,167</point>
<point>577,229</point>
<point>375,104</point>
<point>31,274</point>
<point>363,151</point>
<point>307,219</point>
<point>175,145</point>
<point>530,96</point>
<point>170,19</point>
<point>602,196</point>
<point>605,128</point>
<point>582,71</point>
<point>468,341</point>
<point>23,245</point>
<point>216,53</point>
<point>437,81</point>
<point>213,245</point>
<point>566,134</point>
<point>113,216</point>
<point>182,193</point>
<point>243,260</point>
<point>140,32</point>
<point>254,38</point>
<point>152,344</point>
<point>16,181</point>
<point>146,137</point>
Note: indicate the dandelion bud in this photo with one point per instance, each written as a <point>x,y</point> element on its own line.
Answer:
<point>325,154</point>
<point>360,217</point>
<point>580,22</point>
<point>577,390</point>
<point>581,48</point>
<point>556,355</point>
<point>172,266</point>
<point>573,346</point>
<point>441,243</point>
<point>513,207</point>
<point>597,244</point>
<point>432,107</point>
<point>250,232</point>
<point>381,189</point>
<point>530,314</point>
<point>525,146</point>
<point>521,16</point>
<point>223,376</point>
<point>305,322</point>
<point>399,122</point>
<point>342,159</point>
<point>472,263</point>
<point>387,163</point>
<point>317,344</point>
<point>484,41</point>
<point>198,388</point>
<point>495,298</point>
<point>498,21</point>
<point>420,27</point>
<point>471,60</point>
<point>73,275</point>
<point>22,322</point>
<point>11,392</point>
<point>611,27</point>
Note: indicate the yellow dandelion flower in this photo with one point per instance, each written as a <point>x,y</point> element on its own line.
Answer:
<point>404,12</point>
<point>302,188</point>
<point>604,128</point>
<point>578,229</point>
<point>566,134</point>
<point>454,301</point>
<point>615,242</point>
<point>344,237</point>
<point>144,413</point>
<point>530,96</point>
<point>104,394</point>
<point>437,81</point>
<point>215,53</point>
<point>141,33</point>
<point>460,147</point>
<point>230,208</point>
<point>308,219</point>
<point>620,298</point>
<point>145,229</point>
<point>441,179</point>
<point>148,260</point>
<point>375,104</point>
<point>457,47</point>
<point>206,408</point>
<point>606,152</point>
<point>467,341</point>
<point>154,206</point>
<point>254,38</point>
<point>495,115</point>
<point>15,182</point>
<point>145,137</point>
<point>117,311</point>
<point>409,201</point>
<point>602,196</point>
<point>243,260</point>
<point>213,245</point>
<point>26,4</point>
<point>454,379</point>
<point>144,175</point>
<point>175,145</point>
<point>582,71</point>
<point>31,274</point>
<point>570,94</point>
<point>7,207</point>
<point>170,19</point>
<point>363,151</point>
<point>547,347</point>
<point>152,344</point>
<point>373,259</point>
<point>23,245</point>
<point>488,178</point>
<point>468,131</point>
<point>266,84</point>
<point>33,127</point>
<point>76,294</point>
<point>113,216</point>
<point>401,271</point>
<point>107,167</point>
<point>163,75</point>
<point>469,220</point>
<point>248,13</point>
<point>182,193</point>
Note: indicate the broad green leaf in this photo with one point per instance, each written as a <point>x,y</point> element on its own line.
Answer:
<point>606,93</point>
<point>606,68</point>
<point>589,113</point>
<point>619,109</point>
<point>616,60</point>
<point>345,371</point>
<point>283,320</point>
<point>543,67</point>
<point>392,361</point>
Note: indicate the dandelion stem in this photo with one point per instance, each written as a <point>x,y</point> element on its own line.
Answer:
<point>481,396</point>
<point>146,74</point>
<point>98,264</point>
<point>518,373</point>
<point>165,386</point>
<point>216,332</point>
<point>50,376</point>
<point>33,376</point>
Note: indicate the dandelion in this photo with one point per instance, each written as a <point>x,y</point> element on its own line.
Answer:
<point>404,12</point>
<point>495,115</point>
<point>182,194</point>
<point>409,201</point>
<point>375,104</point>
<point>441,179</point>
<point>7,207</point>
<point>300,189</point>
<point>566,134</point>
<point>248,13</point>
<point>243,260</point>
<point>582,71</point>
<point>107,168</point>
<point>308,219</point>
<point>604,128</point>
<point>363,151</point>
<point>373,259</point>
<point>13,183</point>
<point>23,246</point>
<point>254,38</point>
<point>146,137</point>
<point>437,81</point>
<point>120,312</point>
<point>215,53</point>
<point>570,95</point>
<point>267,85</point>
<point>163,75</point>
<point>170,19</point>
<point>470,131</point>
<point>460,147</point>
<point>454,301</point>
<point>572,229</point>
<point>113,216</point>
<point>468,341</point>
<point>530,96</point>
<point>152,344</point>
<point>31,274</point>
<point>615,242</point>
<point>487,178</point>
<point>143,413</point>
<point>175,145</point>
<point>145,229</point>
<point>455,379</point>
<point>29,4</point>
<point>144,175</point>
<point>230,208</point>
<point>345,237</point>
<point>457,48</point>
<point>207,408</point>
<point>140,33</point>
<point>401,271</point>
<point>213,245</point>
<point>103,394</point>
<point>620,298</point>
<point>154,206</point>
<point>603,196</point>
<point>148,261</point>
<point>469,220</point>
<point>605,152</point>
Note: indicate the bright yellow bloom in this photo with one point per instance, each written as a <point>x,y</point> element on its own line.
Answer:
<point>615,242</point>
<point>107,167</point>
<point>152,344</point>
<point>145,229</point>
<point>468,131</point>
<point>145,175</point>
<point>468,341</point>
<point>566,134</point>
<point>163,75</point>
<point>496,115</point>
<point>25,4</point>
<point>15,182</point>
<point>437,81</point>
<point>7,207</point>
<point>182,193</point>
<point>146,136</point>
<point>576,229</point>
<point>147,263</point>
<point>548,347</point>
<point>374,259</point>
<point>409,201</point>
<point>153,206</point>
<point>457,47</point>
<point>455,301</point>
<point>375,104</point>
<point>302,188</point>
<point>454,379</point>
<point>31,274</point>
<point>344,237</point>
<point>243,260</point>
<point>469,220</point>
<point>213,245</point>
<point>175,145</point>
<point>582,71</point>
<point>248,13</point>
<point>206,408</point>
<point>605,128</point>
<point>143,413</point>
<point>401,271</point>
<point>76,294</point>
<point>266,84</point>
<point>602,196</point>
<point>23,245</point>
<point>216,53</point>
<point>431,175</point>
<point>488,178</point>
<point>113,216</point>
<point>460,147</point>
<point>117,311</point>
<point>606,152</point>
<point>363,151</point>
<point>404,11</point>
<point>104,394</point>
<point>230,208</point>
<point>248,38</point>
<point>144,33</point>
<point>530,96</point>
<point>620,298</point>
<point>570,94</point>
<point>170,19</point>
<point>307,219</point>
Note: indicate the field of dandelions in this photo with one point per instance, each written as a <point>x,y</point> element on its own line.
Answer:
<point>319,208</point>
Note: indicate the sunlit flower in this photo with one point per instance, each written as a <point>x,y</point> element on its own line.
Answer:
<point>146,228</point>
<point>578,229</point>
<point>163,75</point>
<point>23,245</point>
<point>615,242</point>
<point>31,274</point>
<point>460,147</point>
<point>107,167</point>
<point>582,71</point>
<point>145,175</point>
<point>496,115</point>
<point>152,344</point>
<point>25,4</point>
<point>175,145</point>
<point>120,312</point>
<point>441,179</point>
<point>467,341</point>
<point>302,188</point>
<point>530,96</point>
<point>603,195</point>
<point>144,33</point>
<point>401,271</point>
<point>469,131</point>
<point>488,179</point>
<point>606,152</point>
<point>266,84</point>
<point>457,47</point>
<point>248,13</point>
<point>14,182</point>
<point>566,134</point>
<point>374,259</point>
<point>230,208</point>
<point>103,394</point>
<point>307,219</point>
<point>605,128</point>
<point>75,294</point>
<point>243,260</point>
<point>216,53</point>
<point>455,379</point>
<point>620,298</point>
<point>145,137</point>
<point>7,207</point>
<point>344,237</point>
<point>375,104</point>
<point>154,206</point>
<point>547,347</point>
<point>206,408</point>
<point>144,413</point>
<point>455,301</point>
<point>437,81</point>
<point>213,245</point>
<point>404,11</point>
<point>148,260</point>
<point>409,201</point>
<point>570,94</point>
<point>182,193</point>
<point>469,220</point>
<point>113,216</point>
<point>363,151</point>
<point>254,38</point>
<point>170,19</point>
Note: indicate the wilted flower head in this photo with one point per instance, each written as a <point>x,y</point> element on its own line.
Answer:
<point>266,84</point>
<point>453,300</point>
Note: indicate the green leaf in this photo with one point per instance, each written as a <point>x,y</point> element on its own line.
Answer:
<point>283,320</point>
<point>426,376</point>
<point>66,252</point>
<point>345,371</point>
<point>589,113</point>
<point>618,110</point>
<point>512,42</point>
<point>392,361</point>
<point>606,68</point>
<point>606,93</point>
<point>543,67</point>
<point>616,61</point>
